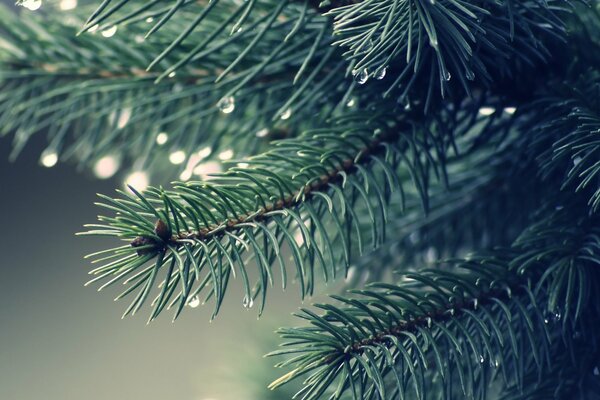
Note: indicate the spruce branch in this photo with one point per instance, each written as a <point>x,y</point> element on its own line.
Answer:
<point>124,107</point>
<point>471,324</point>
<point>314,195</point>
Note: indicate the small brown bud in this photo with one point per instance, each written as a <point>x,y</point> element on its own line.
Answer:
<point>162,230</point>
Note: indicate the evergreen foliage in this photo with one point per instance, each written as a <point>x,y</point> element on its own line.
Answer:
<point>454,142</point>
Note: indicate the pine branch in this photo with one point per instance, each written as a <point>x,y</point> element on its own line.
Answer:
<point>402,341</point>
<point>312,194</point>
<point>47,73</point>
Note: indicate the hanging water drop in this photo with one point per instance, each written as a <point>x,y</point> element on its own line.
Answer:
<point>109,32</point>
<point>351,103</point>
<point>286,114</point>
<point>496,363</point>
<point>447,76</point>
<point>362,76</point>
<point>248,302</point>
<point>380,73</point>
<point>470,75</point>
<point>31,5</point>
<point>226,104</point>
<point>475,304</point>
<point>433,42</point>
<point>194,302</point>
<point>49,158</point>
<point>576,161</point>
<point>596,371</point>
<point>429,322</point>
<point>262,133</point>
<point>481,359</point>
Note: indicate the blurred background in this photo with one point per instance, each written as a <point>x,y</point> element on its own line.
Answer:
<point>60,340</point>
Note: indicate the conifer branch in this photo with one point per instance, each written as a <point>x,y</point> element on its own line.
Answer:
<point>402,340</point>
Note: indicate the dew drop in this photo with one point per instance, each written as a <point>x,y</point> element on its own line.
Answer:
<point>109,32</point>
<point>177,157</point>
<point>68,5</point>
<point>248,302</point>
<point>470,75</point>
<point>596,371</point>
<point>49,158</point>
<point>351,103</point>
<point>149,20</point>
<point>286,114</point>
<point>447,76</point>
<point>475,304</point>
<point>31,5</point>
<point>172,74</point>
<point>361,76</point>
<point>380,73</point>
<point>510,110</point>
<point>576,161</point>
<point>162,138</point>
<point>432,2</point>
<point>486,111</point>
<point>481,359</point>
<point>496,363</point>
<point>226,105</point>
<point>194,302</point>
<point>429,322</point>
<point>433,42</point>
<point>262,133</point>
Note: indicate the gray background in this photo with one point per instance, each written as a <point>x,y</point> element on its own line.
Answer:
<point>61,340</point>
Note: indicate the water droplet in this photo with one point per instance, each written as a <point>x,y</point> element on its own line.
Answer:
<point>31,5</point>
<point>552,317</point>
<point>361,76</point>
<point>172,74</point>
<point>485,111</point>
<point>138,179</point>
<point>470,75</point>
<point>262,133</point>
<point>194,302</point>
<point>161,138</point>
<point>447,76</point>
<point>226,155</point>
<point>205,152</point>
<point>106,167</point>
<point>49,158</point>
<point>149,20</point>
<point>432,2</point>
<point>226,105</point>
<point>429,322</point>
<point>248,302</point>
<point>109,32</point>
<point>510,110</point>
<point>351,103</point>
<point>576,161</point>
<point>177,157</point>
<point>286,114</point>
<point>124,116</point>
<point>433,42</point>
<point>66,5</point>
<point>596,371</point>
<point>508,292</point>
<point>496,363</point>
<point>475,304</point>
<point>481,359</point>
<point>558,208</point>
<point>93,28</point>
<point>380,73</point>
